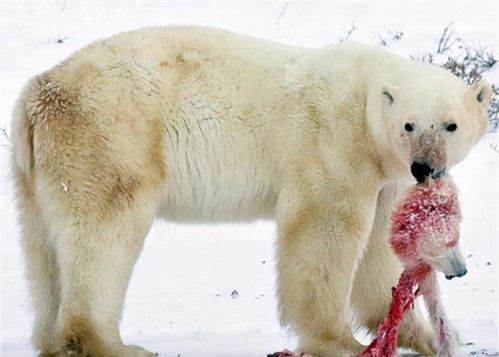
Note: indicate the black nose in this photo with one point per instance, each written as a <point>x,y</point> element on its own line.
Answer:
<point>420,171</point>
<point>458,275</point>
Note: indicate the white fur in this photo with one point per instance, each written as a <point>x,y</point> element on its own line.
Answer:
<point>196,124</point>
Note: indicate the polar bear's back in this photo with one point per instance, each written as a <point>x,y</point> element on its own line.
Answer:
<point>208,96</point>
<point>163,45</point>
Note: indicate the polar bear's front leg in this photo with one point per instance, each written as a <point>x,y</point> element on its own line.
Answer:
<point>321,241</point>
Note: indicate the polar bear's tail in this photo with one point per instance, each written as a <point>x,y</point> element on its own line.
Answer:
<point>23,121</point>
<point>37,121</point>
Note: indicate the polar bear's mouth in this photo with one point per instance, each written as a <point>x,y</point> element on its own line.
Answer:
<point>438,173</point>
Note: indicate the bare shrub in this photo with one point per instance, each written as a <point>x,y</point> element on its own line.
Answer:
<point>465,62</point>
<point>349,33</point>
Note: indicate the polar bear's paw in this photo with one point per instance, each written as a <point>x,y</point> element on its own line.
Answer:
<point>288,353</point>
<point>136,351</point>
<point>126,351</point>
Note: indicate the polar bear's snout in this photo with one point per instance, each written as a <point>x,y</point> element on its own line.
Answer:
<point>428,156</point>
<point>422,170</point>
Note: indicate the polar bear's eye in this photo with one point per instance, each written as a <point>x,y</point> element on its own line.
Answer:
<point>451,127</point>
<point>408,127</point>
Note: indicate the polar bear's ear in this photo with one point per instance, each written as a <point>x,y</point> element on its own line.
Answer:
<point>390,92</point>
<point>482,91</point>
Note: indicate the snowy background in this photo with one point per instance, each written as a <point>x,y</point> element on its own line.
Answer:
<point>181,301</point>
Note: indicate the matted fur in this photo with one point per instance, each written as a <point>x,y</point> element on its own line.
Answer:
<point>196,124</point>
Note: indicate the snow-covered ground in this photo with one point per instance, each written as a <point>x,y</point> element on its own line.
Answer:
<point>179,301</point>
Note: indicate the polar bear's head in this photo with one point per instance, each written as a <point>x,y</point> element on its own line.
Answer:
<point>433,122</point>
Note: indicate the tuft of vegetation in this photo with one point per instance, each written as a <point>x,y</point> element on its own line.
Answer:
<point>465,62</point>
<point>390,36</point>
<point>4,137</point>
<point>349,33</point>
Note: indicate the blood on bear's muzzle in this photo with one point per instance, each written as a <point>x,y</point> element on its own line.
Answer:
<point>428,156</point>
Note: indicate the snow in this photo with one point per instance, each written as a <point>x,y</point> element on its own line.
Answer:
<point>179,301</point>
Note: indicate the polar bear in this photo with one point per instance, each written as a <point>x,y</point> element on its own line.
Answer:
<point>197,124</point>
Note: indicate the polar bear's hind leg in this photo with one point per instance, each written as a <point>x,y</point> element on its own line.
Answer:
<point>97,196</point>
